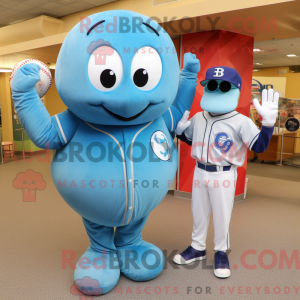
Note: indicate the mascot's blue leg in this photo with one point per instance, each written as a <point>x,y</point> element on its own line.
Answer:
<point>139,260</point>
<point>97,271</point>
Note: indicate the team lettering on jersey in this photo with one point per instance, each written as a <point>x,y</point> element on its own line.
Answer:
<point>219,72</point>
<point>222,142</point>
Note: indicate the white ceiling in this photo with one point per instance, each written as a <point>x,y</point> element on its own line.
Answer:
<point>274,53</point>
<point>12,11</point>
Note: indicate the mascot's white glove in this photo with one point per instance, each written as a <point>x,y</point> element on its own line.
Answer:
<point>269,108</point>
<point>183,123</point>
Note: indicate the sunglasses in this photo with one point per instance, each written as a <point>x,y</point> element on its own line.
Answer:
<point>224,86</point>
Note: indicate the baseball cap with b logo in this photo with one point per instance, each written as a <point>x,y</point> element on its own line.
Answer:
<point>223,73</point>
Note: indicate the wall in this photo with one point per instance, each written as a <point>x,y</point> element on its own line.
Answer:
<point>292,80</point>
<point>42,30</point>
<point>279,83</point>
<point>178,9</point>
<point>54,104</point>
<point>6,108</point>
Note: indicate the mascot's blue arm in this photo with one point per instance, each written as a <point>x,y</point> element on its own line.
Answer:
<point>186,92</point>
<point>43,130</point>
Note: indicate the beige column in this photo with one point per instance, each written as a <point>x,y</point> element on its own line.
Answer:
<point>6,108</point>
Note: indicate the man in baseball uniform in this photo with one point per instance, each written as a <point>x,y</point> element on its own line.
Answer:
<point>219,137</point>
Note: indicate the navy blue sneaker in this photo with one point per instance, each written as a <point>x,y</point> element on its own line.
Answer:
<point>222,269</point>
<point>188,256</point>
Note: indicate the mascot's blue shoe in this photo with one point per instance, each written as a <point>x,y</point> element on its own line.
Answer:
<point>141,261</point>
<point>97,272</point>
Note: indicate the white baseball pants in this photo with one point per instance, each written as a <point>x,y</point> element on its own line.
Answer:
<point>212,191</point>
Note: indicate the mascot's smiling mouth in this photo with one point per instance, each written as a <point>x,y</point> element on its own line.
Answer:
<point>123,118</point>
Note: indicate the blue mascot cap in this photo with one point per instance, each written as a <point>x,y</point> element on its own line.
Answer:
<point>223,73</point>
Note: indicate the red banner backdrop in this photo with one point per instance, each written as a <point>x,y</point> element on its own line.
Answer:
<point>217,48</point>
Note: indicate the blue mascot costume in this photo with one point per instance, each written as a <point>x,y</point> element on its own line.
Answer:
<point>115,157</point>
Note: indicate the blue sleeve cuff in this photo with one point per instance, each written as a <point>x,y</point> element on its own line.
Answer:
<point>66,124</point>
<point>58,127</point>
<point>263,140</point>
<point>183,138</point>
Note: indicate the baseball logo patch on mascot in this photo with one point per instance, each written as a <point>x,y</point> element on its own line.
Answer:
<point>160,145</point>
<point>222,142</point>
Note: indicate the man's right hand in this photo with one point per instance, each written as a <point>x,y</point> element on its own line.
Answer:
<point>25,78</point>
<point>269,108</point>
<point>183,123</point>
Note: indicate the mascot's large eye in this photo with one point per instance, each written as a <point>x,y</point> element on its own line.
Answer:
<point>105,68</point>
<point>146,68</point>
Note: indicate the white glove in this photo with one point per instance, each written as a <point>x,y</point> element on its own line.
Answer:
<point>183,123</point>
<point>269,108</point>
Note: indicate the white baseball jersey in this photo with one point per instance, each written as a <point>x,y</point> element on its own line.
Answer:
<point>221,139</point>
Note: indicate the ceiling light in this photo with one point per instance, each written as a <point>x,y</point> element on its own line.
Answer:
<point>256,50</point>
<point>256,70</point>
<point>5,70</point>
<point>258,63</point>
<point>292,55</point>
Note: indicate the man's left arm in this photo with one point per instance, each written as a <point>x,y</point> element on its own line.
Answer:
<point>263,140</point>
<point>269,111</point>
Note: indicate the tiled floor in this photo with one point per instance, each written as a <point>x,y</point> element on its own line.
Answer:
<point>34,235</point>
